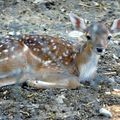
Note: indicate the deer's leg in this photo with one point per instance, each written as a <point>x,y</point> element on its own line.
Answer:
<point>9,81</point>
<point>45,78</point>
<point>13,77</point>
<point>10,78</point>
<point>54,79</point>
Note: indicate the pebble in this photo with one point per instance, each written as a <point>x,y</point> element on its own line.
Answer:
<point>116,42</point>
<point>107,93</point>
<point>14,33</point>
<point>60,98</point>
<point>63,10</point>
<point>105,112</point>
<point>116,90</point>
<point>95,3</point>
<point>5,92</point>
<point>38,1</point>
<point>111,80</point>
<point>115,57</point>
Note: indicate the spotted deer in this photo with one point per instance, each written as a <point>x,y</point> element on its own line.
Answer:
<point>48,62</point>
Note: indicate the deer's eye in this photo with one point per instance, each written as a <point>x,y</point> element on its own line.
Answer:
<point>88,37</point>
<point>109,37</point>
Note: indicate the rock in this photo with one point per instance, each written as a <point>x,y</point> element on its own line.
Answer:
<point>115,57</point>
<point>107,93</point>
<point>60,98</point>
<point>116,42</point>
<point>14,33</point>
<point>105,112</point>
<point>63,10</point>
<point>111,80</point>
<point>38,1</point>
<point>96,3</point>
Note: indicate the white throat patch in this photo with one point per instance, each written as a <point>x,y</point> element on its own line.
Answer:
<point>88,70</point>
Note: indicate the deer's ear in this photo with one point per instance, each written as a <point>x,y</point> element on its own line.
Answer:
<point>116,25</point>
<point>77,22</point>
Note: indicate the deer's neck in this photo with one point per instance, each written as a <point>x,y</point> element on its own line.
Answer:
<point>87,62</point>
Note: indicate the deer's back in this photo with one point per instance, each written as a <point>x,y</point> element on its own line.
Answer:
<point>35,50</point>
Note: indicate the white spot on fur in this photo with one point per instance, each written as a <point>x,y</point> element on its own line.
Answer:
<point>34,49</point>
<point>33,44</point>
<point>41,43</point>
<point>40,37</point>
<point>46,63</point>
<point>64,54</point>
<point>52,40</point>
<point>66,63</point>
<point>5,51</point>
<point>60,58</point>
<point>1,45</point>
<point>27,37</point>
<point>54,47</point>
<point>63,43</point>
<point>53,44</point>
<point>4,59</point>
<point>32,36</point>
<point>38,50</point>
<point>67,52</point>
<point>35,39</point>
<point>74,56</point>
<point>68,45</point>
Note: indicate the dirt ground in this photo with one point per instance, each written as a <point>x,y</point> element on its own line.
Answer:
<point>51,17</point>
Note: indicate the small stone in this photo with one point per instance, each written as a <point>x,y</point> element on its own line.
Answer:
<point>63,10</point>
<point>38,1</point>
<point>115,57</point>
<point>116,90</point>
<point>14,33</point>
<point>116,42</point>
<point>5,92</point>
<point>105,112</point>
<point>18,33</point>
<point>107,93</point>
<point>111,80</point>
<point>60,98</point>
<point>95,3</point>
<point>11,33</point>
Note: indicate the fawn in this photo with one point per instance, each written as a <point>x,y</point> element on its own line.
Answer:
<point>48,62</point>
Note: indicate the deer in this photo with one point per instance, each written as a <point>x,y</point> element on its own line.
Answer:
<point>44,61</point>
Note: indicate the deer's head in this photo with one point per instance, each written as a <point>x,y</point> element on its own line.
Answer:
<point>97,34</point>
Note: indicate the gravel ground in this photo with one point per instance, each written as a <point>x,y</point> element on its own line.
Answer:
<point>51,17</point>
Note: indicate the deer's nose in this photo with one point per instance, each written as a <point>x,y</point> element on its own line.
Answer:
<point>99,50</point>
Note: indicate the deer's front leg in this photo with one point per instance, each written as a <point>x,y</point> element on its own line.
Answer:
<point>48,78</point>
